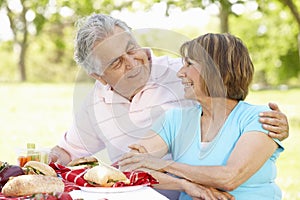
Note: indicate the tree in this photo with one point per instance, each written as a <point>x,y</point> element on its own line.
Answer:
<point>281,58</point>
<point>295,12</point>
<point>30,18</point>
<point>270,33</point>
<point>27,17</point>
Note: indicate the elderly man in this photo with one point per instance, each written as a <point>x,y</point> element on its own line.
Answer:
<point>132,88</point>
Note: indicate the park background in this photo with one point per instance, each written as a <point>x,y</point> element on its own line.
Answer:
<point>41,86</point>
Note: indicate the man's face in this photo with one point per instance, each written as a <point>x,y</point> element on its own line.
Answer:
<point>124,65</point>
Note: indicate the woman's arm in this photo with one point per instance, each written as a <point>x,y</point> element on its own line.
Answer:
<point>194,190</point>
<point>250,153</point>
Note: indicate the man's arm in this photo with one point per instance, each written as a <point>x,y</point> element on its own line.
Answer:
<point>81,139</point>
<point>59,155</point>
<point>275,122</point>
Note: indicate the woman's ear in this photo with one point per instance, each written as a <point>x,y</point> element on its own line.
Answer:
<point>98,77</point>
<point>148,52</point>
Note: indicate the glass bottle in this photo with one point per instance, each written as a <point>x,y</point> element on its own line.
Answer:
<point>32,154</point>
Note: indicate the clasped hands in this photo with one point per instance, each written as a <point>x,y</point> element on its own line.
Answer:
<point>139,159</point>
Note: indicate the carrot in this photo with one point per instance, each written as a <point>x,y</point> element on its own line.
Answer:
<point>22,160</point>
<point>28,158</point>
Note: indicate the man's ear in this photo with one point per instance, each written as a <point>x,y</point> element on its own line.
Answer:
<point>98,77</point>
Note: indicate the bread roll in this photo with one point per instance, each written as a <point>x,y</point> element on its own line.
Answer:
<point>32,184</point>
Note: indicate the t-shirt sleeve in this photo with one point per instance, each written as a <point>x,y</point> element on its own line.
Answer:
<point>164,128</point>
<point>253,124</point>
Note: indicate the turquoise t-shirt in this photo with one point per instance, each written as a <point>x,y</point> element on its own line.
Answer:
<point>180,129</point>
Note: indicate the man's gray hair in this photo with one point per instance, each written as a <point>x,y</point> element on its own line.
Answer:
<point>92,29</point>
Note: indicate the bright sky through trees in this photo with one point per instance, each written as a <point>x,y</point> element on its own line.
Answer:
<point>154,18</point>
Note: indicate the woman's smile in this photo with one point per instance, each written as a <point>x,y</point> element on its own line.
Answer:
<point>188,84</point>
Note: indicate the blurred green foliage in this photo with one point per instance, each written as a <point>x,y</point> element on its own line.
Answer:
<point>271,37</point>
<point>270,32</point>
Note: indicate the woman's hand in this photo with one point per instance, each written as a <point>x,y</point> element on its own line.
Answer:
<point>275,122</point>
<point>137,148</point>
<point>200,192</point>
<point>134,160</point>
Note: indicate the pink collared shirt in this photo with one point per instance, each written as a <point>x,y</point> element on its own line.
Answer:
<point>108,120</point>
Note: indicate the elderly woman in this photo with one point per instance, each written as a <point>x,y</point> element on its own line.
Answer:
<point>219,142</point>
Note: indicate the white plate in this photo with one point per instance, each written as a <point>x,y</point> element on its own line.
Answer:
<point>111,189</point>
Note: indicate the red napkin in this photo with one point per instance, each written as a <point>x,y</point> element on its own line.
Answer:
<point>71,178</point>
<point>137,178</point>
<point>76,177</point>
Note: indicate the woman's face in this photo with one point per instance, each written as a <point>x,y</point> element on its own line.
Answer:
<point>190,74</point>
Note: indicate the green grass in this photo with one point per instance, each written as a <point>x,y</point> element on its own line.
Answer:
<point>41,113</point>
<point>288,163</point>
<point>33,113</point>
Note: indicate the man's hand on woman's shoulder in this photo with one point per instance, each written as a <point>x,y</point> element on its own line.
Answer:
<point>275,122</point>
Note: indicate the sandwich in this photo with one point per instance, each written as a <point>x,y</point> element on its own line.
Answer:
<point>38,168</point>
<point>83,162</point>
<point>25,185</point>
<point>105,176</point>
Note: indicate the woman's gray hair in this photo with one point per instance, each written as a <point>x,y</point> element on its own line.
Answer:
<point>92,29</point>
